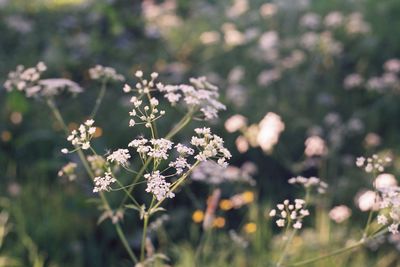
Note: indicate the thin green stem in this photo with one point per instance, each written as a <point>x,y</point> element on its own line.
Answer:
<point>180,125</point>
<point>144,235</point>
<point>175,186</point>
<point>286,248</point>
<point>99,98</point>
<point>82,157</point>
<point>338,251</point>
<point>370,215</point>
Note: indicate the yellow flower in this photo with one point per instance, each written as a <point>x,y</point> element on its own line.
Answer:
<point>219,222</point>
<point>250,228</point>
<point>225,204</point>
<point>248,196</point>
<point>198,216</point>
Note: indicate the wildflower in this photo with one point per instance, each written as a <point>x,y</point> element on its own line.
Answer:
<point>179,164</point>
<point>83,135</point>
<point>120,156</point>
<point>385,180</point>
<point>201,96</point>
<point>289,213</point>
<point>219,222</point>
<point>102,183</point>
<point>367,200</point>
<point>198,216</point>
<point>212,173</point>
<point>310,21</point>
<point>235,123</point>
<point>340,213</point>
<point>97,164</point>
<point>373,164</point>
<point>107,73</point>
<point>184,150</point>
<point>311,182</point>
<point>158,186</point>
<point>225,204</point>
<point>315,146</point>
<point>250,228</point>
<point>392,65</point>
<point>271,126</point>
<point>334,19</point>
<point>353,81</point>
<point>68,170</point>
<point>391,202</point>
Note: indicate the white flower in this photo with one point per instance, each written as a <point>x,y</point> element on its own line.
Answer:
<point>102,183</point>
<point>108,73</point>
<point>297,225</point>
<point>157,185</point>
<point>83,135</point>
<point>394,228</point>
<point>290,213</point>
<point>184,150</point>
<point>235,123</point>
<point>340,213</point>
<point>315,146</point>
<point>382,219</point>
<point>121,156</point>
<point>270,128</point>
<point>321,186</point>
<point>201,96</point>
<point>280,222</point>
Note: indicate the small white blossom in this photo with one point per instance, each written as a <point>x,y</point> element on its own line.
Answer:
<point>102,183</point>
<point>291,214</point>
<point>311,182</point>
<point>158,186</point>
<point>83,135</point>
<point>100,72</point>
<point>121,156</point>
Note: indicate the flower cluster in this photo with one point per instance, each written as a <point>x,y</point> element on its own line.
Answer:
<point>211,146</point>
<point>97,164</point>
<point>105,73</point>
<point>155,148</point>
<point>391,202</point>
<point>340,213</point>
<point>102,183</point>
<point>389,79</point>
<point>200,95</point>
<point>68,171</point>
<point>82,136</point>
<point>28,80</point>
<point>120,156</point>
<point>23,79</point>
<point>373,164</point>
<point>144,113</point>
<point>212,173</point>
<point>312,182</point>
<point>158,186</point>
<point>288,213</point>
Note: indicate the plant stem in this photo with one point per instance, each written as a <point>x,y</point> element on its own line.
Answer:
<point>103,198</point>
<point>99,98</point>
<point>339,251</point>
<point>144,235</point>
<point>180,125</point>
<point>286,248</point>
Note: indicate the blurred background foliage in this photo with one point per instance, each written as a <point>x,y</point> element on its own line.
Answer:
<point>50,222</point>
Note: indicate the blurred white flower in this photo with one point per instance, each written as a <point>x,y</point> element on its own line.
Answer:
<point>340,213</point>
<point>235,123</point>
<point>271,126</point>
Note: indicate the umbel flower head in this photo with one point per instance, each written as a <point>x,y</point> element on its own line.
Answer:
<point>81,137</point>
<point>29,80</point>
<point>290,213</point>
<point>99,72</point>
<point>390,202</point>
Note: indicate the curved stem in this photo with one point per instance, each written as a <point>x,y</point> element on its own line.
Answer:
<point>103,198</point>
<point>99,98</point>
<point>339,251</point>
<point>180,125</point>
